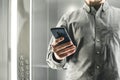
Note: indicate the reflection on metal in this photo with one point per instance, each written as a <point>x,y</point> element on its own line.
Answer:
<point>4,41</point>
<point>23,40</point>
<point>13,39</point>
<point>46,14</point>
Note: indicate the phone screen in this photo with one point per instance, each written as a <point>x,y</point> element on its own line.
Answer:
<point>61,32</point>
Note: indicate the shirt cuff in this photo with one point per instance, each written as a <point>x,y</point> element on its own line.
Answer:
<point>58,63</point>
<point>54,58</point>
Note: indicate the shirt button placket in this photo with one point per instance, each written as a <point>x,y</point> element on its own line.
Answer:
<point>98,45</point>
<point>98,57</point>
<point>97,52</point>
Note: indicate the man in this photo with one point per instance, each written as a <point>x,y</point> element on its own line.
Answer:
<point>94,52</point>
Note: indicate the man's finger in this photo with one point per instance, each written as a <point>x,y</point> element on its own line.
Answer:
<point>59,40</point>
<point>62,46</point>
<point>67,54</point>
<point>65,50</point>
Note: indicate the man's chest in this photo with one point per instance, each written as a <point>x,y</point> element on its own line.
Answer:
<point>96,28</point>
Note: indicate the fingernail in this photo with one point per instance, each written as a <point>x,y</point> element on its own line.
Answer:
<point>71,42</point>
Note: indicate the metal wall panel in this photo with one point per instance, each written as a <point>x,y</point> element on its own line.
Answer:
<point>4,72</point>
<point>23,31</point>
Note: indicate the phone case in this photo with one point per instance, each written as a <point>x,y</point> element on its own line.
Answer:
<point>61,32</point>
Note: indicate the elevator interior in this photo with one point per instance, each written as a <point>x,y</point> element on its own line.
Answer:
<point>45,14</point>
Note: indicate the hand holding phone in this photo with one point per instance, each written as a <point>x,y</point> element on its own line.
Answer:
<point>62,46</point>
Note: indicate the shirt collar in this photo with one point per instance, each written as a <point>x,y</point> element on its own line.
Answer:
<point>104,6</point>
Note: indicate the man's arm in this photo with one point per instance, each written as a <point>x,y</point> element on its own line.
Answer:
<point>51,59</point>
<point>56,55</point>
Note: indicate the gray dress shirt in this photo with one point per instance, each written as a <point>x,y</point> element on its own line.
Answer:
<point>97,37</point>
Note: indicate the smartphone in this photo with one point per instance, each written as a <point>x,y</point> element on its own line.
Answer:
<point>61,32</point>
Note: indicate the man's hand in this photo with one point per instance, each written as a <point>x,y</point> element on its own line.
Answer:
<point>63,50</point>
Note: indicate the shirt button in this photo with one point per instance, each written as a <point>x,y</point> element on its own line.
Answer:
<point>98,40</point>
<point>98,67</point>
<point>98,52</point>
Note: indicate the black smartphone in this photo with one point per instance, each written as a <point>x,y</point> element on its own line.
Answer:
<point>61,32</point>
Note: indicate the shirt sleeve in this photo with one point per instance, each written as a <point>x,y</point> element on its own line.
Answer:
<point>50,59</point>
